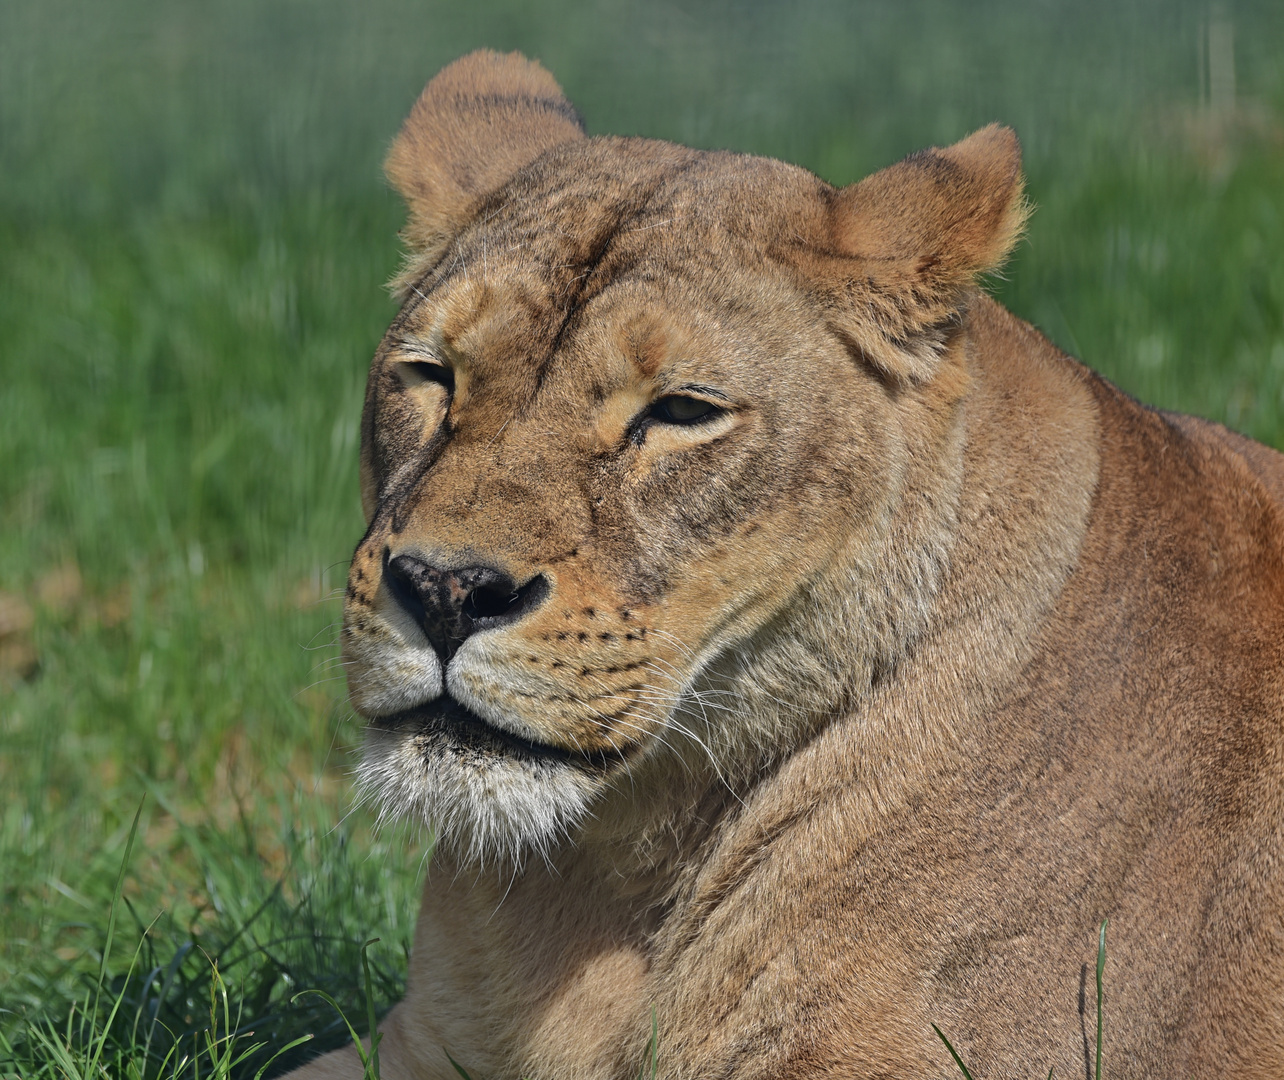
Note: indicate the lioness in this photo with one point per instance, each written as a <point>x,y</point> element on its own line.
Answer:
<point>785,642</point>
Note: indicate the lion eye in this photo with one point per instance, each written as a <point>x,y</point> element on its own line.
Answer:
<point>414,373</point>
<point>679,409</point>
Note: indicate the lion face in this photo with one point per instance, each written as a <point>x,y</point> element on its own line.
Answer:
<point>597,464</point>
<point>632,497</point>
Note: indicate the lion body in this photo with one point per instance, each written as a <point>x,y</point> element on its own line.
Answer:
<point>850,708</point>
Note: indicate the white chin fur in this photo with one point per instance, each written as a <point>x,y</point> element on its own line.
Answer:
<point>492,809</point>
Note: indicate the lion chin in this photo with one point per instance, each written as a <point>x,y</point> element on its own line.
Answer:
<point>788,648</point>
<point>482,793</point>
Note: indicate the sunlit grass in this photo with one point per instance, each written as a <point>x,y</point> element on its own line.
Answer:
<point>208,981</point>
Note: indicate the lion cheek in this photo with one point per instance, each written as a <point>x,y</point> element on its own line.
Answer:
<point>384,680</point>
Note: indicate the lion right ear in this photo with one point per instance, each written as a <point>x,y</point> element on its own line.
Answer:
<point>479,121</point>
<point>911,241</point>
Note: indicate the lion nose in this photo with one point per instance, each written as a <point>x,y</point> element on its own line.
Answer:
<point>450,605</point>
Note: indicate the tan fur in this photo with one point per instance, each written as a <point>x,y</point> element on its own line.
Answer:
<point>851,709</point>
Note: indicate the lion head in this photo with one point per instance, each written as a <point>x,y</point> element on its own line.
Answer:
<point>655,456</point>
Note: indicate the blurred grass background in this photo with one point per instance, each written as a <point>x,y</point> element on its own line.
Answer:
<point>193,237</point>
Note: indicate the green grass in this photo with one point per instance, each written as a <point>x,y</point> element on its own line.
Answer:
<point>259,919</point>
<point>193,237</point>
<point>188,998</point>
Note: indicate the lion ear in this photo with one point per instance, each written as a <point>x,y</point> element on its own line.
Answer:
<point>479,121</point>
<point>913,239</point>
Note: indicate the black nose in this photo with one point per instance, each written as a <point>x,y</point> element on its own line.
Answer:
<point>451,605</point>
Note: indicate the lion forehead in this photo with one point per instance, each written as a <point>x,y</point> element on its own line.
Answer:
<point>588,214</point>
<point>582,195</point>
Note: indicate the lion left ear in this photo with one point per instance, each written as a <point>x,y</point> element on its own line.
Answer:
<point>478,122</point>
<point>913,239</point>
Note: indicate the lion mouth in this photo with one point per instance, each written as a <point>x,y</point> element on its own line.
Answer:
<point>446,724</point>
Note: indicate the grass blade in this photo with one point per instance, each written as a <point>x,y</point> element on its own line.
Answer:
<point>1101,968</point>
<point>285,1049</point>
<point>953,1053</point>
<point>116,893</point>
<point>653,1047</point>
<point>96,1056</point>
<point>458,1068</point>
<point>356,1039</point>
<point>375,1034</point>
